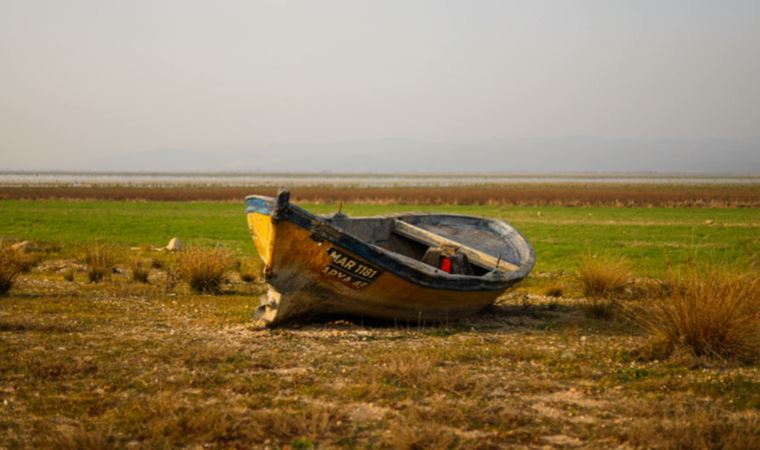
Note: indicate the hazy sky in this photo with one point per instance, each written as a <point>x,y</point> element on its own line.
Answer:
<point>90,80</point>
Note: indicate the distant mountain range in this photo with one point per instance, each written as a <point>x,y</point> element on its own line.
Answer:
<point>556,155</point>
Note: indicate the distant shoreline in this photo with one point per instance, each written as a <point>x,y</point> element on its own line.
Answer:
<point>411,174</point>
<point>179,179</point>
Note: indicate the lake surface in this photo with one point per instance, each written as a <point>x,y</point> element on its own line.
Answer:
<point>362,180</point>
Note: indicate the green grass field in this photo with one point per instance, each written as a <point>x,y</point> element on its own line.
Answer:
<point>652,238</point>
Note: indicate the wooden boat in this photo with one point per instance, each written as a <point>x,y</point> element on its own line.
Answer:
<point>420,267</point>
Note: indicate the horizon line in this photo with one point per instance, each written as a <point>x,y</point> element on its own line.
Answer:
<point>405,174</point>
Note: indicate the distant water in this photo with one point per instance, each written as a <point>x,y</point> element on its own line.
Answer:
<point>370,180</point>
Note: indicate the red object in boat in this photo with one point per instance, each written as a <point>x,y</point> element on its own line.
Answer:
<point>446,264</point>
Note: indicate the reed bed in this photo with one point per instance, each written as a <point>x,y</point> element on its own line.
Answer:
<point>527,194</point>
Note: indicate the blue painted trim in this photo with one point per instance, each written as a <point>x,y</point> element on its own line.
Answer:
<point>256,204</point>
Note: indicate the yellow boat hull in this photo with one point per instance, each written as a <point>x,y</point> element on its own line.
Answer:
<point>310,272</point>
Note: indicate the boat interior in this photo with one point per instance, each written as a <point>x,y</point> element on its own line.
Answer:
<point>455,244</point>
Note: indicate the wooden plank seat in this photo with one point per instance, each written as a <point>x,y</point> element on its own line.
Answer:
<point>425,237</point>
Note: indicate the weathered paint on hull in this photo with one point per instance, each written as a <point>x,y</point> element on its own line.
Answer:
<point>298,270</point>
<point>262,231</point>
<point>300,284</point>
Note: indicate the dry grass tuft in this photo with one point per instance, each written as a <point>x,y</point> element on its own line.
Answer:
<point>249,270</point>
<point>603,280</point>
<point>168,423</point>
<point>416,436</point>
<point>74,438</point>
<point>304,426</point>
<point>599,308</point>
<point>26,262</point>
<point>248,277</point>
<point>695,429</point>
<point>203,269</point>
<point>649,288</point>
<point>409,372</point>
<point>100,260</point>
<point>419,372</point>
<point>555,290</point>
<point>68,275</point>
<point>709,312</point>
<point>139,272</point>
<point>604,277</point>
<point>10,267</point>
<point>171,279</point>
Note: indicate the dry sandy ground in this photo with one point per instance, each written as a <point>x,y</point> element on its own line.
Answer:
<point>122,364</point>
